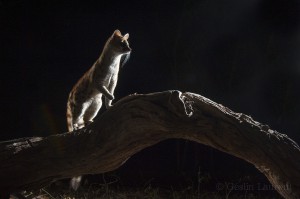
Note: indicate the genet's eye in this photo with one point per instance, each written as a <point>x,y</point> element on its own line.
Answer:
<point>123,44</point>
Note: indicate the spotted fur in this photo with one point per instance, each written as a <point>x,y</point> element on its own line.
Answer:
<point>85,99</point>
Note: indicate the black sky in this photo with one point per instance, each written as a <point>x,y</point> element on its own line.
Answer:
<point>243,54</point>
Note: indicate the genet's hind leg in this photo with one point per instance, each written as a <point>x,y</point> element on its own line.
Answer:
<point>91,111</point>
<point>78,116</point>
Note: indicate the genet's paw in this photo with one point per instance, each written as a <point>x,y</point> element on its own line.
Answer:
<point>88,123</point>
<point>109,106</point>
<point>111,97</point>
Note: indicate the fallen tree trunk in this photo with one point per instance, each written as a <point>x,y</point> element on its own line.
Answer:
<point>139,121</point>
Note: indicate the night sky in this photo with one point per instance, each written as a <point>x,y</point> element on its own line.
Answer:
<point>243,54</point>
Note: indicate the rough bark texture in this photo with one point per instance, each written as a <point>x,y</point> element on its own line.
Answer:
<point>139,121</point>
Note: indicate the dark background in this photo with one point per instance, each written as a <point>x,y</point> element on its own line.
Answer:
<point>240,53</point>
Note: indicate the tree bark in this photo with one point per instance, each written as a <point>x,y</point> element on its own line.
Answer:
<point>139,121</point>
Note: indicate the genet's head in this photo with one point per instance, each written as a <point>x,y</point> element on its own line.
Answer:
<point>119,43</point>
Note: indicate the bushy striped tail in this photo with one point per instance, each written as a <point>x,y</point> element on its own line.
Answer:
<point>75,182</point>
<point>69,118</point>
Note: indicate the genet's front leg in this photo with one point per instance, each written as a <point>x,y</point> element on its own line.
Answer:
<point>105,91</point>
<point>111,88</point>
<point>108,103</point>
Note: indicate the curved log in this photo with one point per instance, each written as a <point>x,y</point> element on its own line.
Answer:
<point>139,121</point>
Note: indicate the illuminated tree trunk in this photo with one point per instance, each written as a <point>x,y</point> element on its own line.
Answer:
<point>139,121</point>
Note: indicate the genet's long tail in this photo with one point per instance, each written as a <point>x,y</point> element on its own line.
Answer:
<point>69,118</point>
<point>75,182</point>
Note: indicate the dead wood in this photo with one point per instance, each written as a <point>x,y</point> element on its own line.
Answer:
<point>139,121</point>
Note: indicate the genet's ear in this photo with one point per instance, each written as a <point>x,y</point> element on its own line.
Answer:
<point>126,36</point>
<point>117,33</point>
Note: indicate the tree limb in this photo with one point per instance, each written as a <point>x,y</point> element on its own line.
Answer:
<point>139,121</point>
